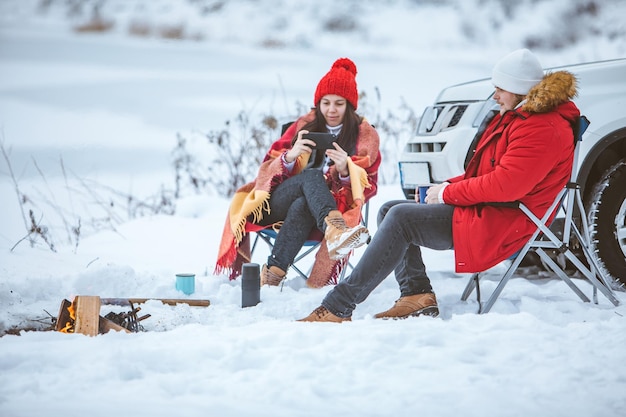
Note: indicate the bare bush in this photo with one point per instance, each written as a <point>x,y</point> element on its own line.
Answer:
<point>96,22</point>
<point>343,23</point>
<point>21,198</point>
<point>271,43</point>
<point>231,155</point>
<point>95,25</point>
<point>139,28</point>
<point>36,230</point>
<point>175,31</point>
<point>88,207</point>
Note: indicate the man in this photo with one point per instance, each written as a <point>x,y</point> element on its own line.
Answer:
<point>525,154</point>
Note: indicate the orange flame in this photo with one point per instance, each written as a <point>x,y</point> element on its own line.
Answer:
<point>69,326</point>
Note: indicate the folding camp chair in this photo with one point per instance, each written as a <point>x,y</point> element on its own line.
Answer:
<point>568,200</point>
<point>269,237</point>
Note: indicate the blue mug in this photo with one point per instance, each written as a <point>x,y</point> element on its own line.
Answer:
<point>186,283</point>
<point>422,192</point>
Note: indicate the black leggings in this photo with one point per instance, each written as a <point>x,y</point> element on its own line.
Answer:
<point>302,202</point>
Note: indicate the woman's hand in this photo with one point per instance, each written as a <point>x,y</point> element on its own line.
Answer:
<point>340,158</point>
<point>299,147</point>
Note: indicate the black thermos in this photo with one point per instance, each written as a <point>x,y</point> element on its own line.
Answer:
<point>250,285</point>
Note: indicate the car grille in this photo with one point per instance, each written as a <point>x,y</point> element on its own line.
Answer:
<point>457,115</point>
<point>425,147</point>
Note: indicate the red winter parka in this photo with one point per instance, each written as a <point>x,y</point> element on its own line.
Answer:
<point>524,155</point>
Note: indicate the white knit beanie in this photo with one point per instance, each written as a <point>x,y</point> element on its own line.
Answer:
<point>517,72</point>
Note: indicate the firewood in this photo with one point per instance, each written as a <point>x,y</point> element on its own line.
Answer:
<point>87,314</point>
<point>105,325</point>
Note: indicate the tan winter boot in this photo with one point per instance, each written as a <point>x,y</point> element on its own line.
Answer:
<point>272,275</point>
<point>342,239</point>
<point>321,314</point>
<point>411,306</point>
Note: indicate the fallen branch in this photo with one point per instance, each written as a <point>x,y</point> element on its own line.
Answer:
<point>168,301</point>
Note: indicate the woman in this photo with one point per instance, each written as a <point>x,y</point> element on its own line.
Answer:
<point>525,154</point>
<point>306,192</point>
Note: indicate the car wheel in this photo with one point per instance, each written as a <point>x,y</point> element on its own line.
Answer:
<point>607,221</point>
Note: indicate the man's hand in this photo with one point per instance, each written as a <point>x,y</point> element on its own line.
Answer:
<point>432,194</point>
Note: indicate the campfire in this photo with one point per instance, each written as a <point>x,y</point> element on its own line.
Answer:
<point>82,315</point>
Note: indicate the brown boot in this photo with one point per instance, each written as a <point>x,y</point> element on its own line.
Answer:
<point>272,275</point>
<point>411,306</point>
<point>321,314</point>
<point>341,239</point>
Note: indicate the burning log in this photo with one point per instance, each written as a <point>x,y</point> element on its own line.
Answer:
<point>66,317</point>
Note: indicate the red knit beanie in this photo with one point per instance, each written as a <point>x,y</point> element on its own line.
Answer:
<point>340,80</point>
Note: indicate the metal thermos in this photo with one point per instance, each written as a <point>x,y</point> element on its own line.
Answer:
<point>250,285</point>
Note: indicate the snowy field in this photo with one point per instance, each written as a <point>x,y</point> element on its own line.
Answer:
<point>109,106</point>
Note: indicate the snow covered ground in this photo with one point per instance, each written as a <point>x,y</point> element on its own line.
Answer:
<point>109,106</point>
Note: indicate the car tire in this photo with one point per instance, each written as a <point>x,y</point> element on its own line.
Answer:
<point>607,221</point>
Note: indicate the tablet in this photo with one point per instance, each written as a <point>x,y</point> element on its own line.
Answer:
<point>322,141</point>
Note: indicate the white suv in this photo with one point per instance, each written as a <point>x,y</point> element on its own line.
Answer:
<point>446,132</point>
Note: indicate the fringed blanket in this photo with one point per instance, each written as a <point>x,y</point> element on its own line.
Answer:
<point>251,201</point>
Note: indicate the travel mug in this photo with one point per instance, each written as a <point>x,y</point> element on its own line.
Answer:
<point>250,285</point>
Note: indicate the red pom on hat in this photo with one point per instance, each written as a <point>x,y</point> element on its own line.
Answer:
<point>346,64</point>
<point>340,80</point>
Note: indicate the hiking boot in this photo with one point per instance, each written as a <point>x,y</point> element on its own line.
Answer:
<point>272,276</point>
<point>412,306</point>
<point>321,314</point>
<point>341,239</point>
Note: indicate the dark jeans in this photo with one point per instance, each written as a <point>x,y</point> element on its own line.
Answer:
<point>302,202</point>
<point>403,226</point>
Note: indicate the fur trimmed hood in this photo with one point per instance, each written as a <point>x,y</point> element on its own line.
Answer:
<point>553,90</point>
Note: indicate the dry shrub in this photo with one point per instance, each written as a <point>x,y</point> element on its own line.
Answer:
<point>220,161</point>
<point>176,32</point>
<point>270,122</point>
<point>197,36</point>
<point>272,44</point>
<point>141,29</point>
<point>96,24</point>
<point>340,24</point>
<point>172,31</point>
<point>212,8</point>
